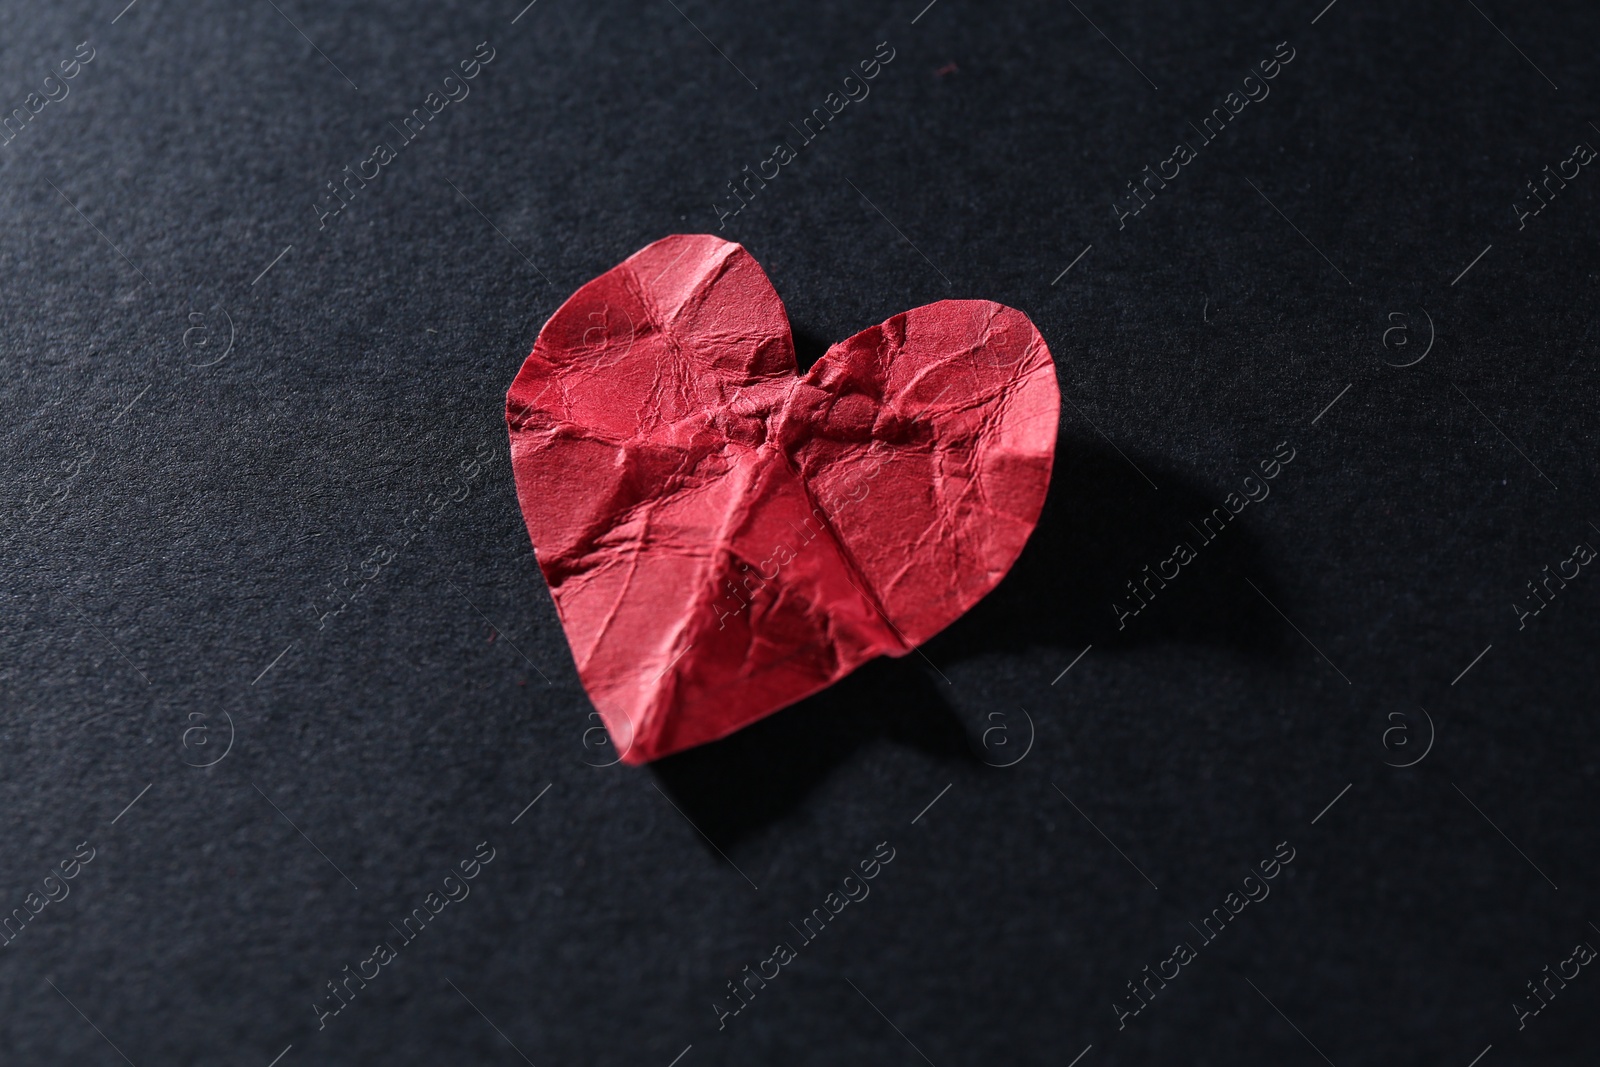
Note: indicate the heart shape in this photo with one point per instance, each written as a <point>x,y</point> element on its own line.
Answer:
<point>723,536</point>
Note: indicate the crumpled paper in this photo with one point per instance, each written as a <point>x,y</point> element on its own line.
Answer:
<point>723,537</point>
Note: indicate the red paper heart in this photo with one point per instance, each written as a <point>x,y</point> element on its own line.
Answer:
<point>723,537</point>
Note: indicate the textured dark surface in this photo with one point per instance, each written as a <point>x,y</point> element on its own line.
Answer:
<point>174,558</point>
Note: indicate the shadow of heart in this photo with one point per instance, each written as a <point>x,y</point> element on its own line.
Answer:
<point>1101,523</point>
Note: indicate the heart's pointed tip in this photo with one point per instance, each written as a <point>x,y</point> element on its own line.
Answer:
<point>635,758</point>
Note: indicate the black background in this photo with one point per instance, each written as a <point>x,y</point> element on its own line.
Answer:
<point>168,565</point>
